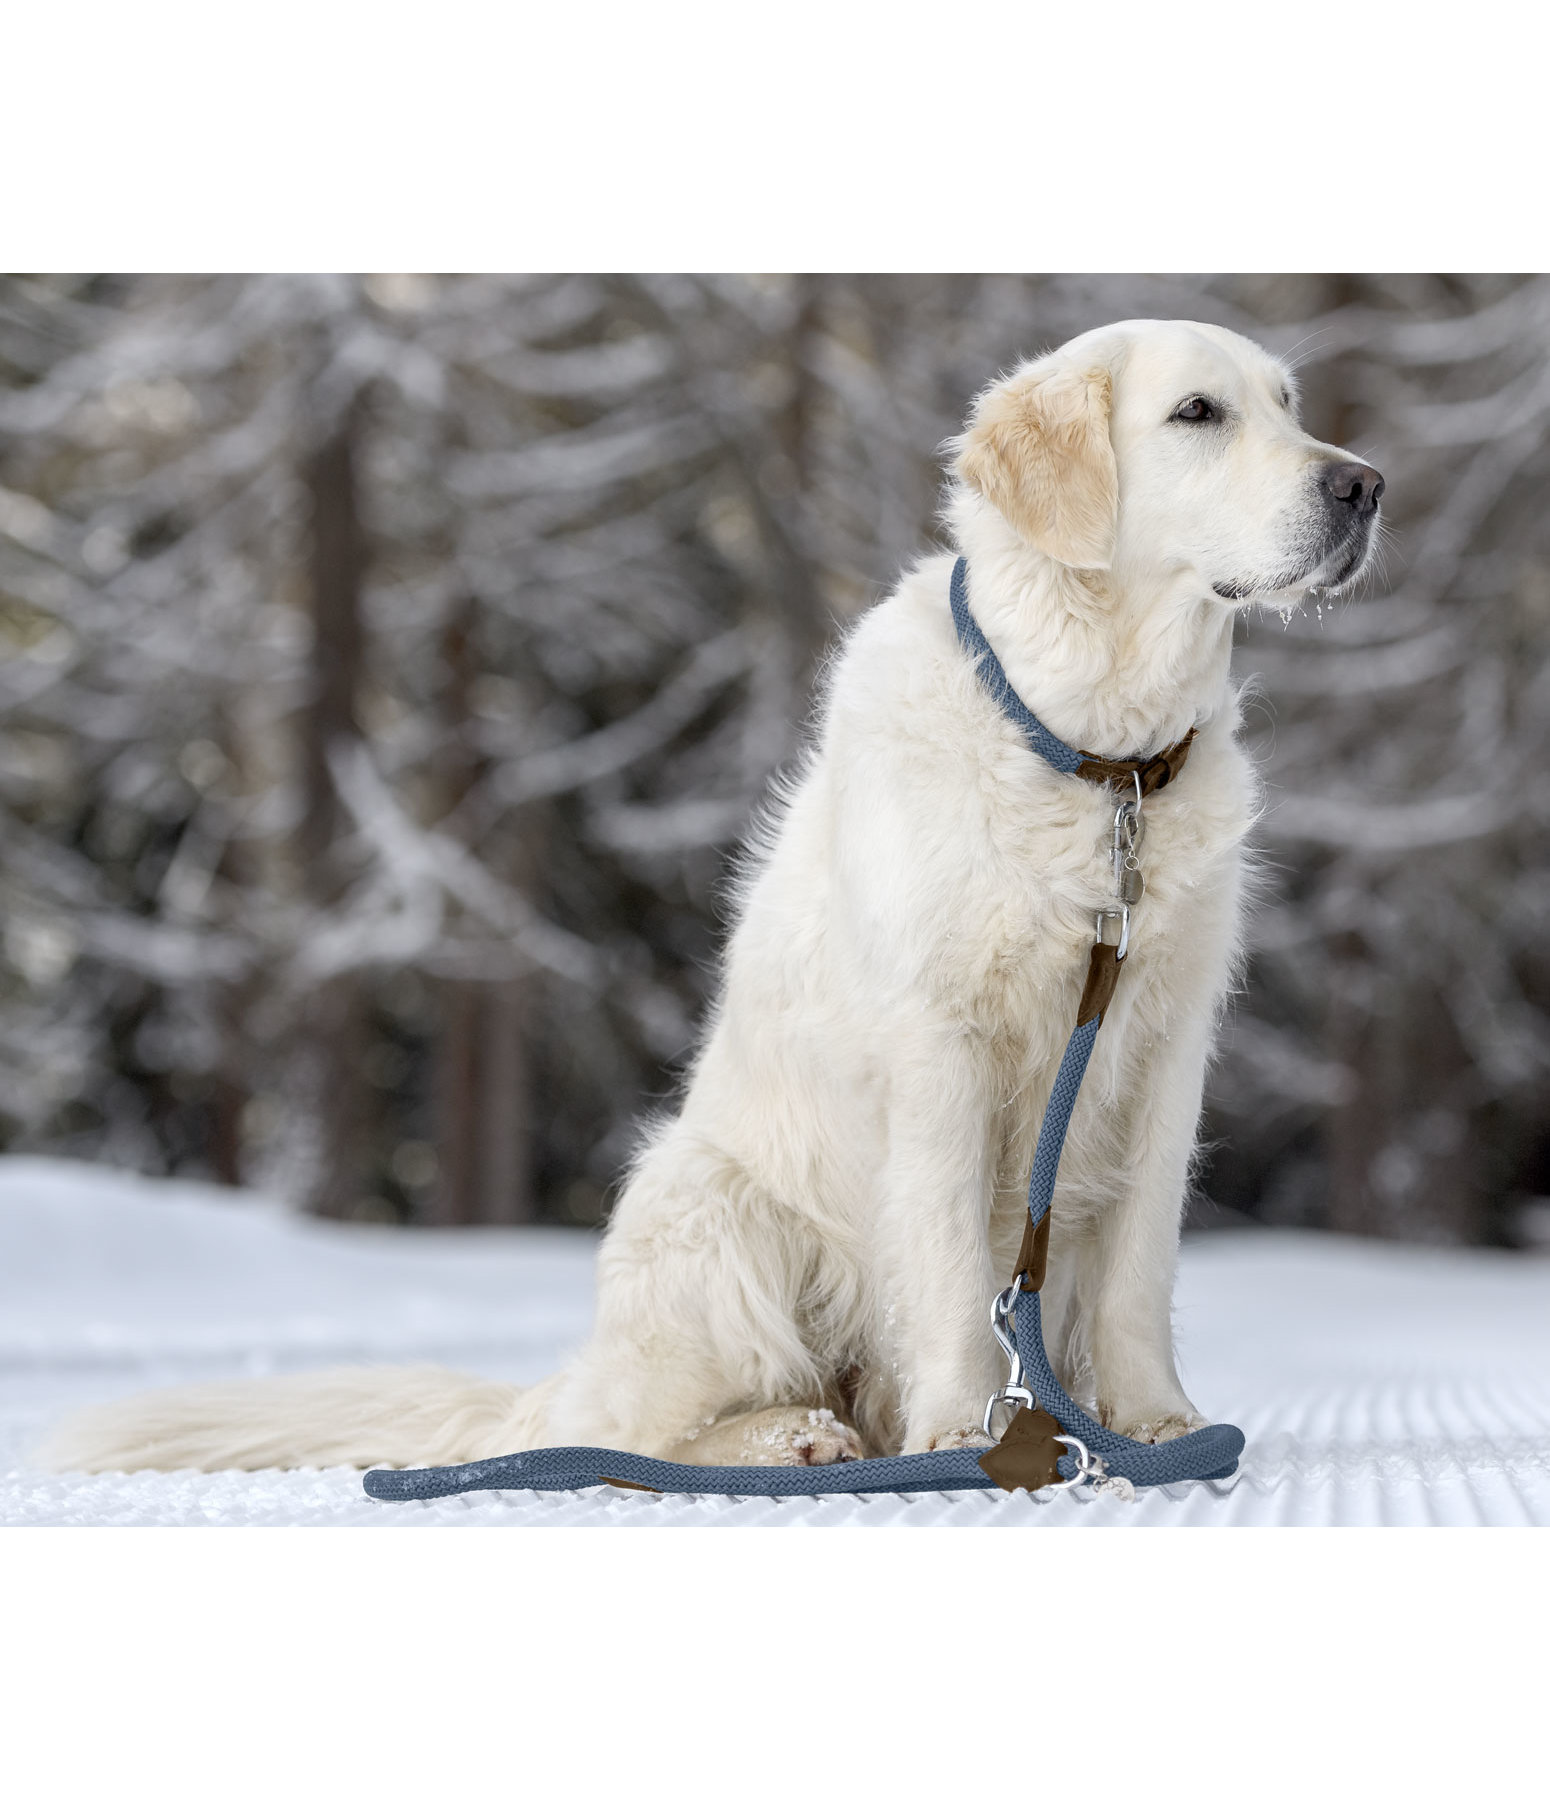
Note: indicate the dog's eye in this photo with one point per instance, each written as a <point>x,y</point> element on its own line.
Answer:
<point>1196,411</point>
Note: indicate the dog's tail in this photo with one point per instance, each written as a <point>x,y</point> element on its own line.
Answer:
<point>328,1418</point>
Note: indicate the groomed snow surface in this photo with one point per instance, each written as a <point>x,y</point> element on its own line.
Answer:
<point>1376,1384</point>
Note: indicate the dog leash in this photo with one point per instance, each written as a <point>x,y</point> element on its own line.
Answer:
<point>1049,1440</point>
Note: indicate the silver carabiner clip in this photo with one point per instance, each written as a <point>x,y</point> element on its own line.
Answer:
<point>1003,1311</point>
<point>1129,830</point>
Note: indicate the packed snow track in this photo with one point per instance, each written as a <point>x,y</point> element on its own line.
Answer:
<point>1377,1384</point>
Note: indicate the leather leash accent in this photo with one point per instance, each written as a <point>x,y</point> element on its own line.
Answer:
<point>1033,1256</point>
<point>1029,1453</point>
<point>1153,772</point>
<point>1103,968</point>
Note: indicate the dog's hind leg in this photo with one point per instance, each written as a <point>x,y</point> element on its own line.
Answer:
<point>711,1307</point>
<point>778,1434</point>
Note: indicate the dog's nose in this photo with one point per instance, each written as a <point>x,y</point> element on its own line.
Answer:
<point>1354,484</point>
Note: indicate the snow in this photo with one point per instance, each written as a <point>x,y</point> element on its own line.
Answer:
<point>1377,1384</point>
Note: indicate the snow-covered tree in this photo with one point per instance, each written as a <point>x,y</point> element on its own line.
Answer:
<point>392,664</point>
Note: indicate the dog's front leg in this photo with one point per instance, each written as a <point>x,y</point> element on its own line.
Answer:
<point>934,1257</point>
<point>1133,1251</point>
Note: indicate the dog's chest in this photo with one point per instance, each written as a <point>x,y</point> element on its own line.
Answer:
<point>1038,855</point>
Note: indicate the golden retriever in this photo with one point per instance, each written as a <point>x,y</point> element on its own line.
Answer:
<point>801,1262</point>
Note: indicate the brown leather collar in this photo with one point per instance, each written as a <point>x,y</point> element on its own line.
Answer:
<point>1155,771</point>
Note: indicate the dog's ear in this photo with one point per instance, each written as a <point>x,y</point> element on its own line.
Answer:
<point>1038,449</point>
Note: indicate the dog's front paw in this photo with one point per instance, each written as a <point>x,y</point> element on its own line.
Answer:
<point>1154,1428</point>
<point>961,1437</point>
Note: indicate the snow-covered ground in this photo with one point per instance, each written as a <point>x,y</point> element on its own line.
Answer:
<point>1377,1385</point>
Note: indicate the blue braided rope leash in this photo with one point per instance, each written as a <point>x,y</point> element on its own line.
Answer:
<point>1210,1454</point>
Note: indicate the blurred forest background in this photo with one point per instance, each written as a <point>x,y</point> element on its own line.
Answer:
<point>389,665</point>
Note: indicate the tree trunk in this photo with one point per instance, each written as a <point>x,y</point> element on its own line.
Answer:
<point>336,1025</point>
<point>1403,1160</point>
<point>505,1175</point>
<point>483,1111</point>
<point>483,1104</point>
<point>455,1200</point>
<point>338,568</point>
<point>336,1020</point>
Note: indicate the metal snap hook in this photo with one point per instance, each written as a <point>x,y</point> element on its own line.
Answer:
<point>1003,1313</point>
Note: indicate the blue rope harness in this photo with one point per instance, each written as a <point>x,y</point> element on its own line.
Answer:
<point>1044,1414</point>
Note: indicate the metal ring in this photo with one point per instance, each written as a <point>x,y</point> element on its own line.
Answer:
<point>1122,913</point>
<point>1084,1459</point>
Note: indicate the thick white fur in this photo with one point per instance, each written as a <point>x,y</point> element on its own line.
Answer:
<point>820,1229</point>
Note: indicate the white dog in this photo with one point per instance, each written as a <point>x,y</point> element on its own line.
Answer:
<point>800,1266</point>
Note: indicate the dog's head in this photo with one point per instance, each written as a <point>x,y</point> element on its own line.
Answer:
<point>1163,448</point>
